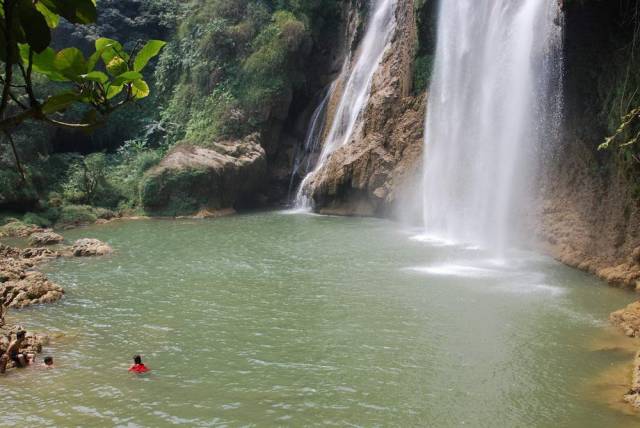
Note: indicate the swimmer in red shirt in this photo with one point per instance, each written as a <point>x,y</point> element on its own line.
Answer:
<point>137,366</point>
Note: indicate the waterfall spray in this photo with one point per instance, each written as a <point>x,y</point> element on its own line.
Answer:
<point>492,100</point>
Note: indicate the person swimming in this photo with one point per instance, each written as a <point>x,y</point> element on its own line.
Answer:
<point>48,362</point>
<point>137,366</point>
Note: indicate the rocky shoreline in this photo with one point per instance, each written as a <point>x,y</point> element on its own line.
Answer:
<point>21,285</point>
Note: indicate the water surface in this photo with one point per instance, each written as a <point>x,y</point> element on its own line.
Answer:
<point>298,320</point>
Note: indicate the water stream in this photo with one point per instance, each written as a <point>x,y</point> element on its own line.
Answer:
<point>493,106</point>
<point>355,92</point>
<point>302,320</point>
<point>304,157</point>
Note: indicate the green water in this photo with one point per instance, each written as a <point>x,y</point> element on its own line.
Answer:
<point>296,320</point>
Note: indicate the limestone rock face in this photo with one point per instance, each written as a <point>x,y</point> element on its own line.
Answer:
<point>191,178</point>
<point>590,220</point>
<point>627,319</point>
<point>33,288</point>
<point>47,237</point>
<point>367,175</point>
<point>87,247</point>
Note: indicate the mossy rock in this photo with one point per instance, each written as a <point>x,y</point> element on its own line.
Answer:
<point>191,178</point>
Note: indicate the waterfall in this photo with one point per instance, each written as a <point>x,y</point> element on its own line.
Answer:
<point>355,93</point>
<point>304,155</point>
<point>492,105</point>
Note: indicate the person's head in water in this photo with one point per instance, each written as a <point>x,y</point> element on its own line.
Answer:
<point>137,359</point>
<point>20,335</point>
<point>48,361</point>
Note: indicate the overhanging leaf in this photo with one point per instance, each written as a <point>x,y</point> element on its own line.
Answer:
<point>59,102</point>
<point>52,19</point>
<point>70,62</point>
<point>35,28</point>
<point>96,76</point>
<point>151,49</point>
<point>126,77</point>
<point>110,49</point>
<point>75,11</point>
<point>42,62</point>
<point>113,90</point>
<point>139,89</point>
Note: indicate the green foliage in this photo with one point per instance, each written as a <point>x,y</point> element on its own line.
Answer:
<point>618,88</point>
<point>13,190</point>
<point>422,73</point>
<point>76,215</point>
<point>32,218</point>
<point>233,63</point>
<point>27,46</point>
<point>86,179</point>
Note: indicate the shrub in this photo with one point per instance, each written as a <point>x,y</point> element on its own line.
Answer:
<point>32,218</point>
<point>422,73</point>
<point>76,215</point>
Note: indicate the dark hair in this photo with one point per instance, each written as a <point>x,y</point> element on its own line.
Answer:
<point>137,359</point>
<point>21,334</point>
<point>48,360</point>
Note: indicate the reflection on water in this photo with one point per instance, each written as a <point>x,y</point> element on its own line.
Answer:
<point>298,320</point>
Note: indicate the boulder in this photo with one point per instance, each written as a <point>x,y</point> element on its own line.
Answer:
<point>33,288</point>
<point>192,178</point>
<point>17,229</point>
<point>48,237</point>
<point>90,247</point>
<point>627,319</point>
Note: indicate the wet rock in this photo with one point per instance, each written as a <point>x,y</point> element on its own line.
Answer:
<point>17,229</point>
<point>633,395</point>
<point>32,289</point>
<point>627,319</point>
<point>47,237</point>
<point>90,247</point>
<point>38,253</point>
<point>191,177</point>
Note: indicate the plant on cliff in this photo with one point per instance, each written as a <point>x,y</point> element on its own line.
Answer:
<point>621,95</point>
<point>101,83</point>
<point>234,65</point>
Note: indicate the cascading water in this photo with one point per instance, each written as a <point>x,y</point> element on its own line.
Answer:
<point>493,100</point>
<point>304,156</point>
<point>355,94</point>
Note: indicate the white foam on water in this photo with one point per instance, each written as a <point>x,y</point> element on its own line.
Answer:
<point>459,270</point>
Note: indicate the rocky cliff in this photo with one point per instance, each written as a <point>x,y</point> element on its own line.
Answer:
<point>590,209</point>
<point>370,173</point>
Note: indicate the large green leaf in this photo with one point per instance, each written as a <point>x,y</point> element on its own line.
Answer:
<point>43,63</point>
<point>113,90</point>
<point>126,77</point>
<point>52,19</point>
<point>70,62</point>
<point>139,89</point>
<point>96,76</point>
<point>36,30</point>
<point>150,50</point>
<point>59,102</point>
<point>75,11</point>
<point>110,49</point>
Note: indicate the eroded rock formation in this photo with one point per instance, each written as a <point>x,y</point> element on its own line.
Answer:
<point>367,175</point>
<point>191,178</point>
